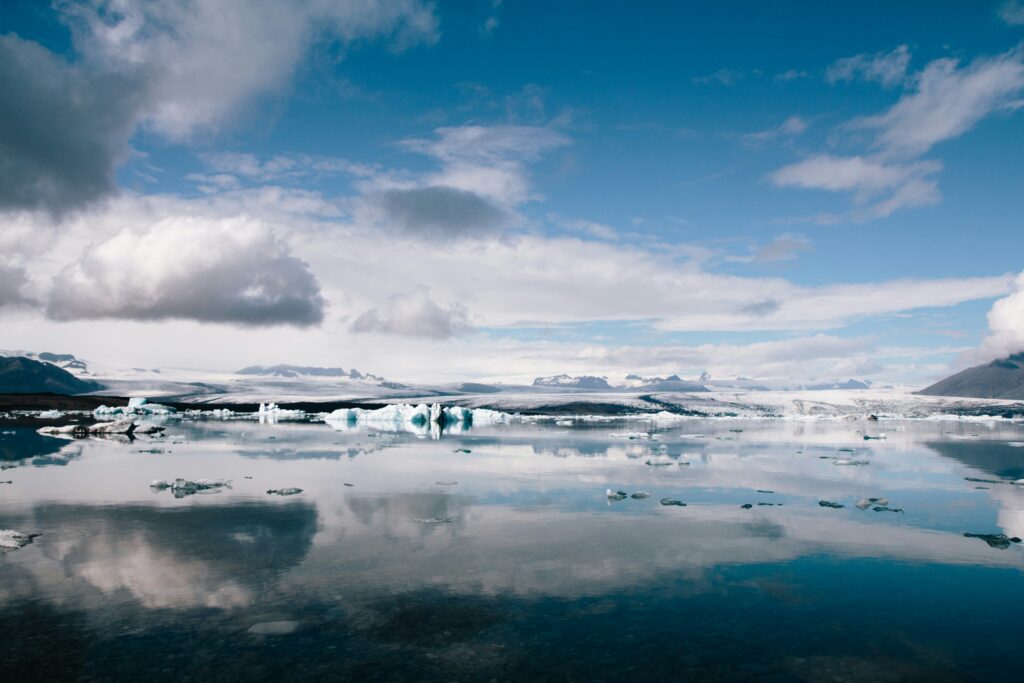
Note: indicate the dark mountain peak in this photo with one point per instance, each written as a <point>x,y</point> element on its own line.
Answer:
<point>1002,378</point>
<point>20,375</point>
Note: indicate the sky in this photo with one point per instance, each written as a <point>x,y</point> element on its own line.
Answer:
<point>503,189</point>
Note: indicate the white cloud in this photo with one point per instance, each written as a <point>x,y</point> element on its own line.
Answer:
<point>793,126</point>
<point>414,315</point>
<point>946,101</point>
<point>887,68</point>
<point>203,60</point>
<point>890,186</point>
<point>782,248</point>
<point>1012,12</point>
<point>227,271</point>
<point>1006,325</point>
<point>943,101</point>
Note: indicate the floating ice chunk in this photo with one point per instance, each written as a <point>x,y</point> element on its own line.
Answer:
<point>1000,541</point>
<point>615,495</point>
<point>290,491</point>
<point>124,426</point>
<point>12,540</point>
<point>879,437</point>
<point>136,406</point>
<point>672,501</point>
<point>850,463</point>
<point>418,418</point>
<point>159,484</point>
<point>50,414</point>
<point>640,495</point>
<point>633,436</point>
<point>136,402</point>
<point>273,412</point>
<point>186,487</point>
<point>433,520</point>
<point>865,503</point>
<point>830,504</point>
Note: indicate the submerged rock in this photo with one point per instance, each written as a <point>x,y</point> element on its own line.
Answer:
<point>830,504</point>
<point>12,540</point>
<point>1000,541</point>
<point>672,501</point>
<point>290,491</point>
<point>274,628</point>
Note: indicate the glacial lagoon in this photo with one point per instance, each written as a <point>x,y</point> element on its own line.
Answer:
<point>496,553</point>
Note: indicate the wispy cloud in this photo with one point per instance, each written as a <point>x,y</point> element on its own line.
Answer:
<point>941,102</point>
<point>1012,12</point>
<point>887,68</point>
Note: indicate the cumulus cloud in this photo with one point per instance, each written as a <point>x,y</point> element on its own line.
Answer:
<point>204,59</point>
<point>439,211</point>
<point>414,315</point>
<point>1006,325</point>
<point>941,102</point>
<point>223,271</point>
<point>482,178</point>
<point>62,129</point>
<point>887,68</point>
<point>176,67</point>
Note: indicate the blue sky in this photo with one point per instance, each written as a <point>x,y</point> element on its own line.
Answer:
<point>795,190</point>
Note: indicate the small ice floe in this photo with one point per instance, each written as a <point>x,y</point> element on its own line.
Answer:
<point>878,437</point>
<point>672,501</point>
<point>1016,444</point>
<point>564,423</point>
<point>747,506</point>
<point>615,495</point>
<point>885,508</point>
<point>640,495</point>
<point>12,540</point>
<point>658,463</point>
<point>274,628</point>
<point>150,429</point>
<point>983,481</point>
<point>433,520</point>
<point>445,483</point>
<point>124,426</point>
<point>50,414</point>
<point>1019,482</point>
<point>347,484</point>
<point>290,491</point>
<point>850,463</point>
<point>865,503</point>
<point>633,436</point>
<point>273,412</point>
<point>691,436</point>
<point>186,487</point>
<point>770,504</point>
<point>1000,541</point>
<point>830,504</point>
<point>462,450</point>
<point>764,491</point>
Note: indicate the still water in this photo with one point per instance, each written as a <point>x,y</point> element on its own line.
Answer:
<point>495,554</point>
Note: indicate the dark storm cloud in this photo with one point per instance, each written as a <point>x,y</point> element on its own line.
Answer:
<point>62,130</point>
<point>439,211</point>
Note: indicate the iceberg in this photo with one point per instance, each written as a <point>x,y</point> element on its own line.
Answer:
<point>271,412</point>
<point>419,419</point>
<point>136,406</point>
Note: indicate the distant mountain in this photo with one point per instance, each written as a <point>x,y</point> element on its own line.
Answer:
<point>568,382</point>
<point>478,388</point>
<point>1003,378</point>
<point>836,384</point>
<point>301,371</point>
<point>20,375</point>
<point>671,383</point>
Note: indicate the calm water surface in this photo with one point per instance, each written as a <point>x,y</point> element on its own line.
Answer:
<point>523,569</point>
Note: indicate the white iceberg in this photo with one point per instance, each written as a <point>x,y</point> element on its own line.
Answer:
<point>418,419</point>
<point>11,539</point>
<point>271,412</point>
<point>136,406</point>
<point>124,426</point>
